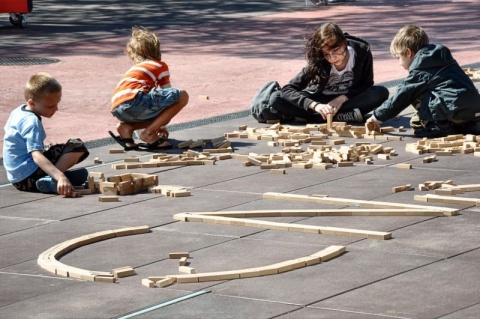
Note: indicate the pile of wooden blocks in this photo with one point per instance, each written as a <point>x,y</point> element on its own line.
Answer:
<point>289,135</point>
<point>124,184</point>
<point>318,156</point>
<point>320,152</point>
<point>273,269</point>
<point>49,259</point>
<point>446,146</point>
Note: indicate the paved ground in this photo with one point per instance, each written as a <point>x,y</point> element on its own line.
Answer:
<point>226,50</point>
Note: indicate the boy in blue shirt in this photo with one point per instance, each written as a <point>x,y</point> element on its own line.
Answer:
<point>31,167</point>
<point>444,97</point>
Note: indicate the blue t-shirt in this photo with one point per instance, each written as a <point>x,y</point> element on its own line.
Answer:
<point>24,134</point>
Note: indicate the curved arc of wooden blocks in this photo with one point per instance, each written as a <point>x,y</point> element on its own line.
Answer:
<point>48,260</point>
<point>273,269</point>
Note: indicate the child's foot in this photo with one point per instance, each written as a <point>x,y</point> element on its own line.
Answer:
<point>47,185</point>
<point>149,137</point>
<point>125,132</point>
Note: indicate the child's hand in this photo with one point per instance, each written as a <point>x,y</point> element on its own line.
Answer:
<point>64,187</point>
<point>371,125</point>
<point>324,109</point>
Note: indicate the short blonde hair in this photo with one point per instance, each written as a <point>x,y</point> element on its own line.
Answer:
<point>409,37</point>
<point>143,45</point>
<point>39,85</point>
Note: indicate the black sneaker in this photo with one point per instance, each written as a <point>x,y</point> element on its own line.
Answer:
<point>435,129</point>
<point>353,116</point>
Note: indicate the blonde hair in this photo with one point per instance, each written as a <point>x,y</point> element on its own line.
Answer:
<point>39,85</point>
<point>409,37</point>
<point>143,45</point>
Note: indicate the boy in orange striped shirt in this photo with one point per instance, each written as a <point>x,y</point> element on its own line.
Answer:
<point>144,98</point>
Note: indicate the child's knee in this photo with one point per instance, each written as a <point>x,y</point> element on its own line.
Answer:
<point>184,97</point>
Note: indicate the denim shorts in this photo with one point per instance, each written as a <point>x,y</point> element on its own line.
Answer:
<point>145,107</point>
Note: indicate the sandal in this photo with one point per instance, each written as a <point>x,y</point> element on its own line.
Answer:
<point>124,141</point>
<point>157,145</point>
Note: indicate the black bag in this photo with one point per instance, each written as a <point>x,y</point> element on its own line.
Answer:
<point>260,106</point>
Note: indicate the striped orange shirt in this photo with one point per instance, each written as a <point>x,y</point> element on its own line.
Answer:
<point>143,76</point>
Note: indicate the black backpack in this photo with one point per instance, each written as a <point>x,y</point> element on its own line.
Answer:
<point>260,106</point>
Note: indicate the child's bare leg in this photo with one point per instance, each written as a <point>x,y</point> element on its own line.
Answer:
<point>125,129</point>
<point>67,160</point>
<point>150,134</point>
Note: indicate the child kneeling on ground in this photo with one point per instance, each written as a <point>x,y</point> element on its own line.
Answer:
<point>144,98</point>
<point>443,95</point>
<point>29,164</point>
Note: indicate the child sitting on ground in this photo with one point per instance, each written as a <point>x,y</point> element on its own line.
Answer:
<point>144,98</point>
<point>444,97</point>
<point>30,167</point>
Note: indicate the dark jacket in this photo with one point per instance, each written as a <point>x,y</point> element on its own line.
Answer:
<point>299,90</point>
<point>438,84</point>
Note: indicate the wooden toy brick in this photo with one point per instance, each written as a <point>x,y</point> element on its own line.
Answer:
<point>123,272</point>
<point>108,198</point>
<point>105,279</point>
<point>278,171</point>
<point>186,269</point>
<point>345,164</point>
<point>182,261</point>
<point>148,283</point>
<point>404,166</point>
<point>178,255</point>
<point>164,282</point>
<point>97,160</point>
<point>116,151</point>
<point>203,97</point>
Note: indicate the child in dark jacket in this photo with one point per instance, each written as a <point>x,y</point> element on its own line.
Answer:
<point>444,97</point>
<point>338,80</point>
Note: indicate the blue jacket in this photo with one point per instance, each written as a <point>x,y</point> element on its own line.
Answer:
<point>438,85</point>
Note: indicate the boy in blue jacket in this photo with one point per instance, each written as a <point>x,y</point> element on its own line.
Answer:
<point>444,97</point>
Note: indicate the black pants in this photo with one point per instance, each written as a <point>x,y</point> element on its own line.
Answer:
<point>366,102</point>
<point>53,154</point>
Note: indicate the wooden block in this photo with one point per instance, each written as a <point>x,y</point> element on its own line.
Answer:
<point>278,171</point>
<point>178,255</point>
<point>97,160</point>
<point>329,120</point>
<point>116,151</point>
<point>203,97</point>
<point>186,269</point>
<point>148,283</point>
<point>345,164</point>
<point>182,261</point>
<point>108,199</point>
<point>123,272</point>
<point>105,279</point>
<point>404,166</point>
<point>185,144</point>
<point>164,282</point>
<point>185,278</point>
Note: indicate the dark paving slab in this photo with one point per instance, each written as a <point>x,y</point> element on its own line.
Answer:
<point>14,224</point>
<point>22,287</point>
<point>433,237</point>
<point>88,300</point>
<point>466,313</point>
<point>430,284</point>
<point>208,306</point>
<point>303,286</point>
<point>319,313</point>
